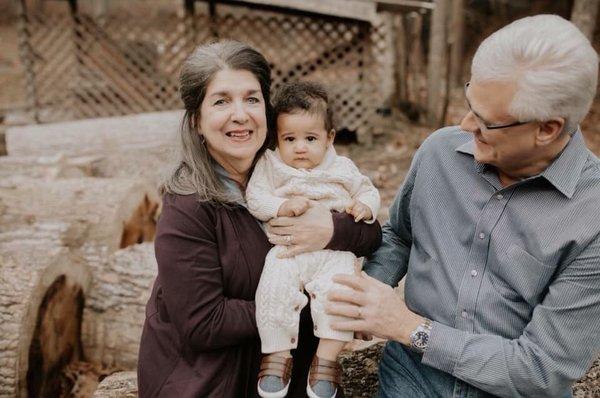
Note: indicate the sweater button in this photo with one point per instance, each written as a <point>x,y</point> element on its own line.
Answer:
<point>312,295</point>
<point>315,327</point>
<point>293,340</point>
<point>296,308</point>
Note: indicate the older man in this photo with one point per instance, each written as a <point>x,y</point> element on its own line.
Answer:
<point>497,230</point>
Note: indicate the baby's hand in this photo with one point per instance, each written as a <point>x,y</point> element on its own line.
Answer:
<point>359,210</point>
<point>293,207</point>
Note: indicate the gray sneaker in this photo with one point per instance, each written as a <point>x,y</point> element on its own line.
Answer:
<point>274,376</point>
<point>324,377</point>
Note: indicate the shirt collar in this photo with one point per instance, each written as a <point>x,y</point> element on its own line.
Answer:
<point>563,173</point>
<point>230,185</point>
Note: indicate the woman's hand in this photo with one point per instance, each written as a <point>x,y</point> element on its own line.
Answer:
<point>306,233</point>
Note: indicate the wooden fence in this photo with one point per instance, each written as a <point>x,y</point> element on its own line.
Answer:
<point>80,65</point>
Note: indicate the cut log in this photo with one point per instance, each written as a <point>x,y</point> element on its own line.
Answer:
<point>117,212</point>
<point>358,380</point>
<point>42,291</point>
<point>48,167</point>
<point>94,136</point>
<point>150,164</point>
<point>118,385</point>
<point>50,234</point>
<point>115,307</point>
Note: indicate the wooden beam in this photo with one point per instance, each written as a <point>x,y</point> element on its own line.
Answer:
<point>437,62</point>
<point>351,9</point>
<point>584,16</point>
<point>456,39</point>
<point>401,5</point>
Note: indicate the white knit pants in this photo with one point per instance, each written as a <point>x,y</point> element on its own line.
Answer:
<point>280,297</point>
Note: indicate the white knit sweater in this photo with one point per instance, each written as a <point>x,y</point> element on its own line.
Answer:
<point>334,183</point>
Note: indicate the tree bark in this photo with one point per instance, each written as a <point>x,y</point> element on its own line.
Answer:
<point>115,307</point>
<point>42,290</point>
<point>401,63</point>
<point>121,384</point>
<point>456,36</point>
<point>95,136</point>
<point>48,167</point>
<point>416,69</point>
<point>436,65</point>
<point>109,213</point>
<point>584,15</point>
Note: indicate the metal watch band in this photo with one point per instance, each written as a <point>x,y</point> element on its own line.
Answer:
<point>419,338</point>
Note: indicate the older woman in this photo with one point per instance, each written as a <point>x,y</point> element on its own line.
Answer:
<point>200,337</point>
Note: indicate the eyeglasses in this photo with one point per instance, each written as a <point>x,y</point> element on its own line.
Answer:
<point>489,126</point>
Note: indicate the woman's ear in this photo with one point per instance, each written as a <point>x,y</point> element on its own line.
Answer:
<point>550,130</point>
<point>330,136</point>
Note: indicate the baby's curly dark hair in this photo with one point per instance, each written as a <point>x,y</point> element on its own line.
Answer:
<point>309,97</point>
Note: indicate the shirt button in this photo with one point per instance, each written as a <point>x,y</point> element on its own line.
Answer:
<point>499,196</point>
<point>481,235</point>
<point>473,273</point>
<point>464,314</point>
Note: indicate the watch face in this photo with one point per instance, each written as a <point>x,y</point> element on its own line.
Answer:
<point>421,339</point>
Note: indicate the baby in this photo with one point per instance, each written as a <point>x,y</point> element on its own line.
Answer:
<point>303,168</point>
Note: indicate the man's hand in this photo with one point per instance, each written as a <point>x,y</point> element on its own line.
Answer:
<point>293,207</point>
<point>359,210</point>
<point>375,307</point>
<point>306,233</point>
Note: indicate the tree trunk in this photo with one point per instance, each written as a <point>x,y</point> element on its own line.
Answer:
<point>122,384</point>
<point>416,69</point>
<point>109,213</point>
<point>49,167</point>
<point>95,136</point>
<point>584,15</point>
<point>436,64</point>
<point>456,35</point>
<point>401,63</point>
<point>115,307</point>
<point>42,291</point>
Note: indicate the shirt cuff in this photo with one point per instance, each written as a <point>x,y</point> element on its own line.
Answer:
<point>445,347</point>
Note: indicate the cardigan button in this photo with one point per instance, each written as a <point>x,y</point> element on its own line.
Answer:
<point>293,340</point>
<point>296,308</point>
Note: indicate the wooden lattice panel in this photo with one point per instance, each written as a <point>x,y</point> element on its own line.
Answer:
<point>329,51</point>
<point>122,63</point>
<point>50,54</point>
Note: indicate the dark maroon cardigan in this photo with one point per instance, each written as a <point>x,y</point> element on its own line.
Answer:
<point>200,337</point>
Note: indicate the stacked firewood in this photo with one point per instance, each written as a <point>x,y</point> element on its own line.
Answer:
<point>77,202</point>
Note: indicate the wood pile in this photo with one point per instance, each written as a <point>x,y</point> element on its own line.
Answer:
<point>77,202</point>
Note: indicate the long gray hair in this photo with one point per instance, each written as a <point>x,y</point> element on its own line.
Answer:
<point>194,172</point>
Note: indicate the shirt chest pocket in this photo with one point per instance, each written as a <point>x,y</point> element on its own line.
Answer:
<point>519,276</point>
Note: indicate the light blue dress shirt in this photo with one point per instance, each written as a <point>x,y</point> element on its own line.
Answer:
<point>509,275</point>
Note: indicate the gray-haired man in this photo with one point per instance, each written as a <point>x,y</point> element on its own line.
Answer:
<point>497,230</point>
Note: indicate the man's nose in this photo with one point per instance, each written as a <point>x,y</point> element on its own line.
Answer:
<point>468,123</point>
<point>240,114</point>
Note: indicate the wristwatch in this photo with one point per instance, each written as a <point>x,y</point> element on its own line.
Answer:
<point>419,338</point>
